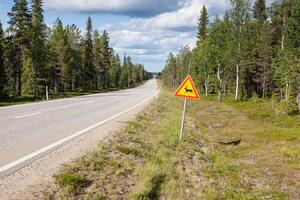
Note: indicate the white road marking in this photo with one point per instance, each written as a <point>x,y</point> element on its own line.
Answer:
<point>28,115</point>
<point>60,142</point>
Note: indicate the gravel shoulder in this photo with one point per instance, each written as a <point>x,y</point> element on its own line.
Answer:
<point>32,180</point>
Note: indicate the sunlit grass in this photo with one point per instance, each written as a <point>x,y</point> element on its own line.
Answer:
<point>147,160</point>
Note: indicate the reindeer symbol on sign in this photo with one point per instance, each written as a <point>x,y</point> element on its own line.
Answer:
<point>187,90</point>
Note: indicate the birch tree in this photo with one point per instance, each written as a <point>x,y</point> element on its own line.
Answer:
<point>239,13</point>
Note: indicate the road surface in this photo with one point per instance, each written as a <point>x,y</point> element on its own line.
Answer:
<point>32,130</point>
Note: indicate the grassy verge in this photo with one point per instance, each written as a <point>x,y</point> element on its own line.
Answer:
<point>146,160</point>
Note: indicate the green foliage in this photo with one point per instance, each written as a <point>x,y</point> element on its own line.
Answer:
<point>58,57</point>
<point>72,181</point>
<point>260,10</point>
<point>28,74</point>
<point>124,74</point>
<point>88,65</point>
<point>245,55</point>
<point>106,60</point>
<point>153,187</point>
<point>2,67</point>
<point>293,26</point>
<point>38,47</point>
<point>129,150</point>
<point>116,71</point>
<point>19,30</point>
<point>58,49</point>
<point>202,25</point>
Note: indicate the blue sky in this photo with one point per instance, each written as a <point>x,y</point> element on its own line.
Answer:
<point>147,30</point>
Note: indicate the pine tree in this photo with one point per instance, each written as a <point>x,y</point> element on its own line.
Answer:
<point>2,67</point>
<point>19,30</point>
<point>89,69</point>
<point>202,25</point>
<point>28,74</point>
<point>115,71</point>
<point>293,44</point>
<point>124,74</point>
<point>105,51</point>
<point>58,52</point>
<point>261,72</point>
<point>293,27</point>
<point>97,45</point>
<point>130,72</point>
<point>260,10</point>
<point>74,57</point>
<point>38,46</point>
<point>276,24</point>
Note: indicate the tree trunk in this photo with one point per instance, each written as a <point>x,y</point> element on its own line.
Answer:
<point>206,84</point>
<point>264,89</point>
<point>55,85</point>
<point>282,35</point>
<point>237,82</point>
<point>287,91</point>
<point>238,66</point>
<point>221,83</point>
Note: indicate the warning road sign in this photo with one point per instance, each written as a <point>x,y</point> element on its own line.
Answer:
<point>187,89</point>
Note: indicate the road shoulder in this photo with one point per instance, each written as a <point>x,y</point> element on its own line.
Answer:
<point>39,175</point>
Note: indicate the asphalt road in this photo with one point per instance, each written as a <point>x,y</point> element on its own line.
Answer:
<point>31,130</point>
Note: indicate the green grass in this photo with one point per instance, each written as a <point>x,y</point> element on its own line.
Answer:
<point>129,150</point>
<point>146,160</point>
<point>265,111</point>
<point>71,181</point>
<point>15,101</point>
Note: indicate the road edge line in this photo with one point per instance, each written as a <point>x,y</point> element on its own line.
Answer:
<point>69,138</point>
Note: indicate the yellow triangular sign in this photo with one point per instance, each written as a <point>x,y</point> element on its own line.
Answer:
<point>187,89</point>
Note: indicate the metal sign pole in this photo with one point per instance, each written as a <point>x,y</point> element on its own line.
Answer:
<point>183,118</point>
<point>184,108</point>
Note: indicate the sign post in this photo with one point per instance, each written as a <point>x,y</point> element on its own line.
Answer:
<point>183,119</point>
<point>186,90</point>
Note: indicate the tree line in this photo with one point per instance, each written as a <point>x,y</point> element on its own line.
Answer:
<point>254,50</point>
<point>33,56</point>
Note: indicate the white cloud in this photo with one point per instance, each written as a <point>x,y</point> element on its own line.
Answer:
<point>126,7</point>
<point>150,40</point>
<point>147,39</point>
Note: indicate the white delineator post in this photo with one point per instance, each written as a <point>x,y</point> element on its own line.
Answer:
<point>47,93</point>
<point>183,118</point>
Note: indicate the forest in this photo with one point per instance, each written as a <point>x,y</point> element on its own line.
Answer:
<point>33,56</point>
<point>253,51</point>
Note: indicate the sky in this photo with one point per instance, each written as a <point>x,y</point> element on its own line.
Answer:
<point>146,30</point>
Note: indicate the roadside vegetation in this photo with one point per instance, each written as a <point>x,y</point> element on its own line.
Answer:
<point>253,51</point>
<point>229,151</point>
<point>34,56</point>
